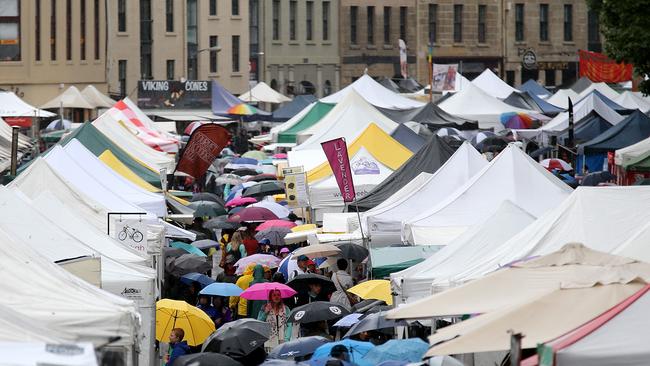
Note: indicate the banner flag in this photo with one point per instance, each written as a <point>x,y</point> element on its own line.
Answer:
<point>444,77</point>
<point>205,144</point>
<point>600,68</point>
<point>336,152</point>
<point>403,63</point>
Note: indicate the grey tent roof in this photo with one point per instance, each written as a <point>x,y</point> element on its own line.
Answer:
<point>610,103</point>
<point>587,128</point>
<point>530,101</point>
<point>290,109</point>
<point>430,115</point>
<point>428,159</point>
<point>389,84</point>
<point>533,87</point>
<point>629,131</point>
<point>409,85</point>
<point>581,84</point>
<point>408,138</point>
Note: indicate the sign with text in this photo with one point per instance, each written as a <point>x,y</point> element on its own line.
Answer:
<point>132,233</point>
<point>336,152</point>
<point>295,183</point>
<point>172,94</point>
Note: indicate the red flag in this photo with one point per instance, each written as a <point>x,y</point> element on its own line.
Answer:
<point>337,155</point>
<point>205,144</point>
<point>600,68</point>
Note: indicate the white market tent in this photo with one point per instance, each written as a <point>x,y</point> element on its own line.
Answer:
<point>415,282</point>
<point>275,131</point>
<point>24,142</point>
<point>629,100</point>
<point>603,88</point>
<point>160,127</point>
<point>12,106</point>
<point>70,98</point>
<point>512,175</point>
<point>14,327</point>
<point>386,220</point>
<point>493,85</point>
<point>44,353</point>
<point>97,98</point>
<point>561,98</point>
<point>348,119</point>
<point>632,153</point>
<point>475,104</point>
<point>375,94</point>
<point>263,93</point>
<point>155,139</point>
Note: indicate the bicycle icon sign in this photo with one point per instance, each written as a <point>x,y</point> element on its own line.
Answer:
<point>131,233</point>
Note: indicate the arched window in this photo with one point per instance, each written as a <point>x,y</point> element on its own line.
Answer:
<point>274,85</point>
<point>306,88</point>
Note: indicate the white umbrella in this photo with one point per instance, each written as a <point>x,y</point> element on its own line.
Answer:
<point>318,251</point>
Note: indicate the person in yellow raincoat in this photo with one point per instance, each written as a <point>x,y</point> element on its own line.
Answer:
<point>239,305</point>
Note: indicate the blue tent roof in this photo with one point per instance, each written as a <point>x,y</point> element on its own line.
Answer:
<point>610,103</point>
<point>408,138</point>
<point>222,99</point>
<point>527,100</point>
<point>587,128</point>
<point>531,86</point>
<point>631,130</point>
<point>290,109</point>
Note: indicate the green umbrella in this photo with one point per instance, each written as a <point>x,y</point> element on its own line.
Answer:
<point>255,154</point>
<point>188,248</point>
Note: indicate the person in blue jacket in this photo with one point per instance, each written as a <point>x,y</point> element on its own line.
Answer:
<point>177,346</point>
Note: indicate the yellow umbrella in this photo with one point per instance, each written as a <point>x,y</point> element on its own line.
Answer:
<point>172,314</point>
<point>373,289</point>
<point>304,227</point>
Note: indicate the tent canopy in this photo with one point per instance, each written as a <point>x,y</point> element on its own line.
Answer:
<point>530,101</point>
<point>302,122</point>
<point>408,138</point>
<point>632,101</point>
<point>290,109</point>
<point>97,98</point>
<point>581,84</point>
<point>493,85</point>
<point>602,88</point>
<point>631,130</point>
<point>12,106</point>
<point>534,88</point>
<point>262,92</point>
<point>71,98</point>
<point>431,115</point>
<point>373,93</point>
<point>587,128</point>
<point>560,98</point>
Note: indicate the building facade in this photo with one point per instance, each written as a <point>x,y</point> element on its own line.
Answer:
<point>294,45</point>
<point>370,31</point>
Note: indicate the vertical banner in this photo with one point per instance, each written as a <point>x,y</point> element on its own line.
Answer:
<point>336,152</point>
<point>404,67</point>
<point>600,68</point>
<point>444,77</point>
<point>205,144</point>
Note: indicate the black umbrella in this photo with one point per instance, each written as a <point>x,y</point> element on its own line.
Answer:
<point>595,178</point>
<point>353,251</point>
<point>207,208</point>
<point>262,189</point>
<point>205,359</point>
<point>187,263</point>
<point>373,321</point>
<point>300,347</point>
<point>493,144</point>
<point>205,244</point>
<point>275,235</point>
<point>220,222</point>
<point>173,252</point>
<point>199,235</point>
<point>317,311</point>
<point>244,171</point>
<point>301,282</point>
<point>262,178</point>
<point>238,338</point>
<point>207,196</point>
<point>367,305</point>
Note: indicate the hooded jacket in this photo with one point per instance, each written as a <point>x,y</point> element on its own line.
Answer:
<point>243,282</point>
<point>177,350</point>
<point>256,305</point>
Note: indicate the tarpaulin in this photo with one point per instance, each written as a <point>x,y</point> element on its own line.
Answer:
<point>600,68</point>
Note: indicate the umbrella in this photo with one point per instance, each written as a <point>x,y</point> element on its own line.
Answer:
<point>267,188</point>
<point>260,291</point>
<point>220,222</point>
<point>187,263</point>
<point>188,248</point>
<point>198,277</point>
<point>207,208</point>
<point>317,311</point>
<point>244,171</point>
<point>278,362</point>
<point>318,251</point>
<point>479,137</point>
<point>221,289</point>
<point>373,289</point>
<point>275,223</point>
<point>277,209</point>
<point>262,177</point>
<point>275,235</point>
<point>240,201</point>
<point>560,164</point>
<point>238,338</point>
<point>496,143</point>
<point>301,282</point>
<point>243,161</point>
<point>279,156</point>
<point>205,359</point>
<point>58,125</point>
<point>447,131</point>
<point>234,210</point>
<point>410,350</point>
<point>300,347</point>
<point>288,265</point>
<point>353,251</point>
<point>173,252</point>
<point>348,320</point>
<point>268,260</point>
<point>207,196</point>
<point>255,154</point>
<point>243,109</point>
<point>356,349</point>
<point>253,214</point>
<point>373,321</point>
<point>172,314</point>
<point>304,227</point>
<point>231,179</point>
<point>444,361</point>
<point>192,126</point>
<point>516,120</point>
<point>199,235</point>
<point>205,244</point>
<point>596,178</point>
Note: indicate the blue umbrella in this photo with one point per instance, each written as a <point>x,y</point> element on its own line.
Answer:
<point>221,289</point>
<point>348,320</point>
<point>58,125</point>
<point>198,277</point>
<point>411,350</point>
<point>357,350</point>
<point>244,161</point>
<point>298,348</point>
<point>188,248</point>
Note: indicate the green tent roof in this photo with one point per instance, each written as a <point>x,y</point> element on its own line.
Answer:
<point>318,111</point>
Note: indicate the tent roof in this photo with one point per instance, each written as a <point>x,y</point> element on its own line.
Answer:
<point>631,130</point>
<point>581,84</point>
<point>304,121</point>
<point>630,100</point>
<point>534,88</point>
<point>429,114</point>
<point>222,99</point>
<point>348,119</point>
<point>602,88</point>
<point>108,158</point>
<point>587,128</point>
<point>530,101</point>
<point>374,93</point>
<point>262,92</point>
<point>97,98</point>
<point>512,175</point>
<point>560,98</point>
<point>610,102</point>
<point>493,85</point>
<point>389,84</point>
<point>12,106</point>
<point>408,138</point>
<point>142,127</point>
<point>290,109</point>
<point>428,159</point>
<point>71,98</point>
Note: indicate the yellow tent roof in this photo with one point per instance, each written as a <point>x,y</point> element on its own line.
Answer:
<point>378,143</point>
<point>108,158</point>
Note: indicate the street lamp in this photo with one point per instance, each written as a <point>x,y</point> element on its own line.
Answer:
<point>196,56</point>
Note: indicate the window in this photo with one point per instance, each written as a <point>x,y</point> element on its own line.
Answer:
<point>387,10</point>
<point>482,28</point>
<point>354,11</point>
<point>543,22</point>
<point>146,40</point>
<point>568,23</point>
<point>235,53</point>
<point>433,23</point>
<point>121,67</point>
<point>169,15</point>
<point>171,65</point>
<point>309,20</point>
<point>10,30</point>
<point>121,15</point>
<point>53,30</point>
<point>96,30</point>
<point>192,40</point>
<point>82,27</point>
<point>371,25</point>
<point>68,30</point>
<point>276,19</point>
<point>593,32</point>
<point>402,22</point>
<point>213,7</point>
<point>235,7</point>
<point>37,31</point>
<point>293,7</point>
<point>519,22</point>
<point>214,42</point>
<point>458,23</point>
<point>326,20</point>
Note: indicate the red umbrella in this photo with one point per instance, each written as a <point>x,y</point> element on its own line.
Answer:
<point>559,164</point>
<point>253,214</point>
<point>275,223</point>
